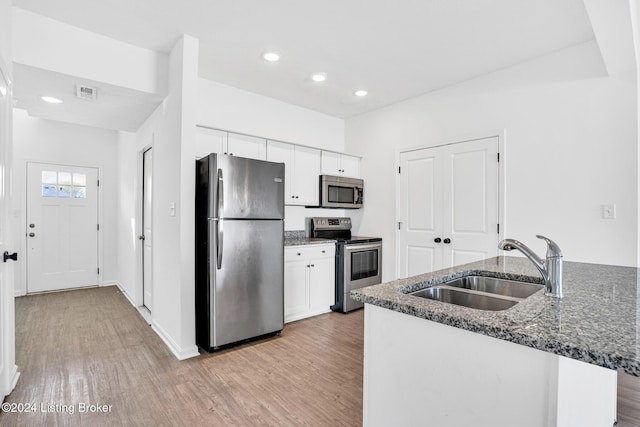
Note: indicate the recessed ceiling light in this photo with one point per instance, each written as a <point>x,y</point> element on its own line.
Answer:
<point>51,100</point>
<point>360,93</point>
<point>271,56</point>
<point>319,77</point>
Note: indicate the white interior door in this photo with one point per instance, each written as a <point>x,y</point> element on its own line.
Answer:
<point>8,370</point>
<point>147,231</point>
<point>421,212</point>
<point>449,206</point>
<point>471,201</point>
<point>62,227</point>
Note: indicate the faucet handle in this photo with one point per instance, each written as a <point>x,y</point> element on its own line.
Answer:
<point>553,250</point>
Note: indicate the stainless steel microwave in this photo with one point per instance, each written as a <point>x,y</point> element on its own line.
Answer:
<point>341,192</point>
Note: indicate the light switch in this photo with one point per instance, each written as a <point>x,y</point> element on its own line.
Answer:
<point>172,209</point>
<point>609,211</point>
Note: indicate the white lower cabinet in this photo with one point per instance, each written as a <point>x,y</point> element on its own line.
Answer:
<point>309,280</point>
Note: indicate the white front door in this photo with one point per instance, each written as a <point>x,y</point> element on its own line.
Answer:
<point>448,208</point>
<point>147,235</point>
<point>62,227</point>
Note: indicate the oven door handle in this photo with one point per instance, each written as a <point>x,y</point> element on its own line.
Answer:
<point>362,247</point>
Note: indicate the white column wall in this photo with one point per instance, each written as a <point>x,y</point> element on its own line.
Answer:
<point>171,128</point>
<point>46,141</point>
<point>571,146</point>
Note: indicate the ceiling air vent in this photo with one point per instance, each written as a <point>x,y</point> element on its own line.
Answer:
<point>86,92</point>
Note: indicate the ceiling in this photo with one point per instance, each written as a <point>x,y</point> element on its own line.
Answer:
<point>114,108</point>
<point>394,50</point>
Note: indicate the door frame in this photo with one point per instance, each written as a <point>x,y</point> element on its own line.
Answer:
<point>24,244</point>
<point>467,137</point>
<point>138,291</point>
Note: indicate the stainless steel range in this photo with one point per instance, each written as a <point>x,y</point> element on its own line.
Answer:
<point>358,259</point>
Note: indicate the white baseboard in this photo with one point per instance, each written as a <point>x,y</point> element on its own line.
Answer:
<point>125,293</point>
<point>109,283</point>
<point>181,354</point>
<point>13,380</point>
<point>19,293</point>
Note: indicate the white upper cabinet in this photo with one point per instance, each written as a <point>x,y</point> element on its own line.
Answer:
<point>210,141</point>
<point>247,146</point>
<point>302,171</point>
<point>280,152</point>
<point>340,164</point>
<point>216,141</point>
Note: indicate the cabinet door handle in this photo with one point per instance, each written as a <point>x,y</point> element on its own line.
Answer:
<point>313,265</point>
<point>437,240</point>
<point>447,241</point>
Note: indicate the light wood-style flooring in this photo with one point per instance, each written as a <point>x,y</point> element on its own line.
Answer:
<point>91,346</point>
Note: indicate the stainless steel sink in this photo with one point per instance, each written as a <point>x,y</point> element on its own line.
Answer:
<point>482,293</point>
<point>467,299</point>
<point>492,285</point>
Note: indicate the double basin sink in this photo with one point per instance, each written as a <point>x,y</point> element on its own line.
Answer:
<point>479,292</point>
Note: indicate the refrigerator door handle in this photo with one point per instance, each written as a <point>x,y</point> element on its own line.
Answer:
<point>219,244</point>
<point>220,194</point>
<point>220,216</point>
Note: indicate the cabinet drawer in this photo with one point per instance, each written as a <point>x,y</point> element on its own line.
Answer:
<point>294,253</point>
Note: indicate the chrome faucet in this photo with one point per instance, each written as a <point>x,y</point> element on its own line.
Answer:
<point>550,268</point>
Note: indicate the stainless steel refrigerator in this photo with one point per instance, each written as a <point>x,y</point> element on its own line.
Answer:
<point>239,250</point>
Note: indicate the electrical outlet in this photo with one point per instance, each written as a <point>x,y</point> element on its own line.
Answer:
<point>609,211</point>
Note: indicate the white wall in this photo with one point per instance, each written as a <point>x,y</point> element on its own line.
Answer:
<point>571,146</point>
<point>225,107</point>
<point>48,44</point>
<point>128,227</point>
<point>47,141</point>
<point>228,108</point>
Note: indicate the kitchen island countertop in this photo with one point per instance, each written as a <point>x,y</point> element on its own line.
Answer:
<point>596,321</point>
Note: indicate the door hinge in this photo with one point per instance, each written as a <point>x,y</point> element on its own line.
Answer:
<point>98,183</point>
<point>399,225</point>
<point>98,270</point>
<point>498,157</point>
<point>398,169</point>
<point>98,227</point>
<point>498,228</point>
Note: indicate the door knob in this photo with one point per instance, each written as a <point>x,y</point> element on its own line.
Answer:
<point>447,241</point>
<point>32,226</point>
<point>8,256</point>
<point>437,240</point>
<point>141,237</point>
<point>32,234</point>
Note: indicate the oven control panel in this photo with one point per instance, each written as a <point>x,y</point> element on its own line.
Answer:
<point>324,223</point>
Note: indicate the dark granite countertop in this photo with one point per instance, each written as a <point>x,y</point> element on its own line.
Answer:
<point>597,321</point>
<point>299,237</point>
<point>306,241</point>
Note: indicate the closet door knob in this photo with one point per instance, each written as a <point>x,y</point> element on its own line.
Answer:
<point>437,240</point>
<point>447,241</point>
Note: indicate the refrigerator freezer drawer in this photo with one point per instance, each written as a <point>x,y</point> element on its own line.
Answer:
<point>245,188</point>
